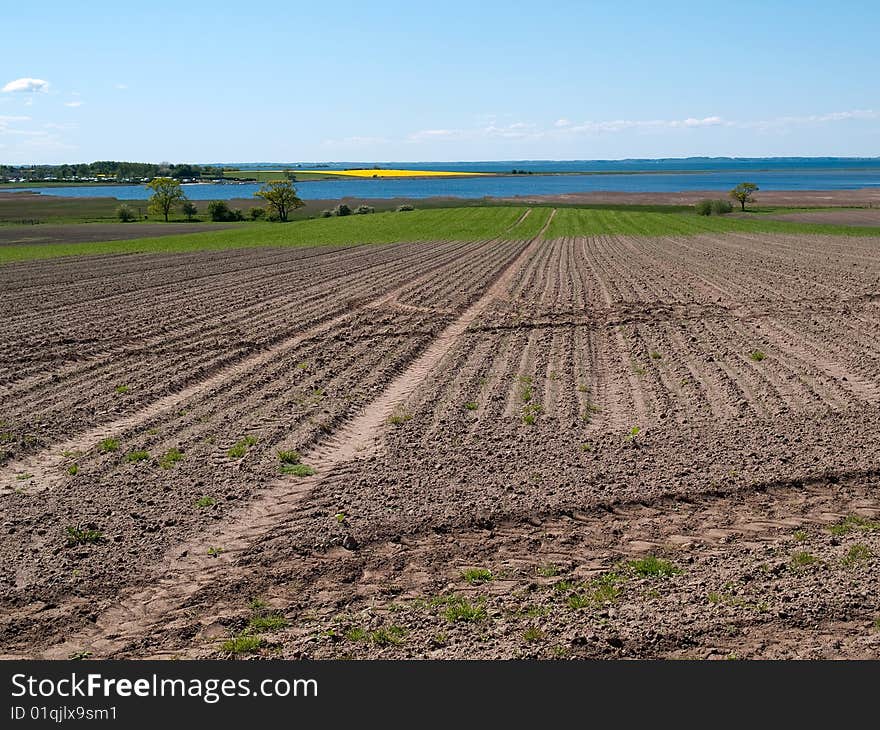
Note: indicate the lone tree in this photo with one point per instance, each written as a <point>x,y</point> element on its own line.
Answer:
<point>743,193</point>
<point>280,196</point>
<point>167,193</point>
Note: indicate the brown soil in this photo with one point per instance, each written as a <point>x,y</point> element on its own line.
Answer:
<point>88,232</point>
<point>794,198</point>
<point>465,406</point>
<point>843,217</point>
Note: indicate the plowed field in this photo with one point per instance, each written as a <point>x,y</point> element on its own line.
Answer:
<point>602,446</point>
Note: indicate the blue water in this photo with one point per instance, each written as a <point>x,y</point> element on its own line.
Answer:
<point>716,174</point>
<point>672,164</point>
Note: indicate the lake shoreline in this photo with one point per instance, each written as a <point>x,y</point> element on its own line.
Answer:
<point>863,197</point>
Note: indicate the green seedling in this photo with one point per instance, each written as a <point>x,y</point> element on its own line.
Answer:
<point>651,567</point>
<point>474,576</point>
<point>399,416</point>
<point>82,536</point>
<point>244,644</point>
<point>170,458</point>
<point>107,445</point>
<point>289,457</point>
<point>240,447</point>
<point>853,522</point>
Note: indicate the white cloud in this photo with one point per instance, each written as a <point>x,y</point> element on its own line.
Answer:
<point>516,130</point>
<point>487,128</point>
<point>704,122</point>
<point>74,104</point>
<point>781,123</point>
<point>26,84</point>
<point>621,125</point>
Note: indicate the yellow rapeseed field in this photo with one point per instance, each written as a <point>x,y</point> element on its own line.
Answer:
<point>394,173</point>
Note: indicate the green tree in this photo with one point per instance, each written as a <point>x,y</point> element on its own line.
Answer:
<point>219,211</point>
<point>189,209</point>
<point>743,193</point>
<point>280,196</point>
<point>167,193</point>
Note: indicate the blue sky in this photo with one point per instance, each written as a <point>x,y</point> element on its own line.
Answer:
<point>409,81</point>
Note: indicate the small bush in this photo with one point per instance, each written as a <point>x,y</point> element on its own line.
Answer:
<point>713,207</point>
<point>364,210</point>
<point>326,213</point>
<point>125,213</point>
<point>137,455</point>
<point>257,213</point>
<point>205,502</point>
<point>721,207</point>
<point>341,210</point>
<point>757,355</point>
<point>189,210</point>
<point>404,208</point>
<point>73,470</point>
<point>220,212</point>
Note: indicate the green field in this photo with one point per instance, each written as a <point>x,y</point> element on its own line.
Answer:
<point>19,208</point>
<point>465,223</point>
<point>594,222</point>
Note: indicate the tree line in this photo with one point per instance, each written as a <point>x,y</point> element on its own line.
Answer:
<point>279,195</point>
<point>109,169</point>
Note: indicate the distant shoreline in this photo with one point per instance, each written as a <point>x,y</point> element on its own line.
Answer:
<point>319,176</point>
